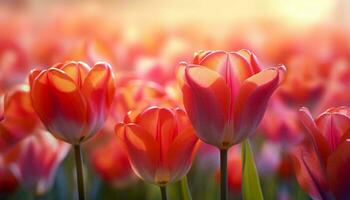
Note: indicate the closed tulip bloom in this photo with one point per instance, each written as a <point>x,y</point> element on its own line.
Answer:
<point>322,161</point>
<point>72,99</point>
<point>160,144</point>
<point>225,95</point>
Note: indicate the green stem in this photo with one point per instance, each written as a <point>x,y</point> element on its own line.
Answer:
<point>163,192</point>
<point>185,190</point>
<point>79,170</point>
<point>223,173</point>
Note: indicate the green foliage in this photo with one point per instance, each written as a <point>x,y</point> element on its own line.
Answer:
<point>250,179</point>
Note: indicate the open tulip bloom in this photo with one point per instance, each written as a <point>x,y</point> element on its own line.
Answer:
<point>322,161</point>
<point>225,95</point>
<point>161,145</point>
<point>73,100</point>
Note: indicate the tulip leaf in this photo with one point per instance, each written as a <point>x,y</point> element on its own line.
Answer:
<point>251,188</point>
<point>185,190</point>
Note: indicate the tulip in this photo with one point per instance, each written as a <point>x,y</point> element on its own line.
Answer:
<point>18,119</point>
<point>322,160</point>
<point>73,100</point>
<point>225,95</point>
<point>37,158</point>
<point>160,144</point>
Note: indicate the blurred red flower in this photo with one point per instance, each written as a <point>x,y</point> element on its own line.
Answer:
<point>18,119</point>
<point>37,158</point>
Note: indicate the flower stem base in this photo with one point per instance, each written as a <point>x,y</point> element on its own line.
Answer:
<point>223,174</point>
<point>79,170</point>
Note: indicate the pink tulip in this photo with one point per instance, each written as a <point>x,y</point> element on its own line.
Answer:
<point>322,161</point>
<point>37,158</point>
<point>225,95</point>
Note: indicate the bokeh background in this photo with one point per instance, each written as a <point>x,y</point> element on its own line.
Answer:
<point>144,41</point>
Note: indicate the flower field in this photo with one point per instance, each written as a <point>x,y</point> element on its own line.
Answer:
<point>153,100</point>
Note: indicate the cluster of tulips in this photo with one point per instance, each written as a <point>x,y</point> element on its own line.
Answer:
<point>146,108</point>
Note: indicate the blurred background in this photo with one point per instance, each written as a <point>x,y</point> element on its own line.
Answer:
<point>144,41</point>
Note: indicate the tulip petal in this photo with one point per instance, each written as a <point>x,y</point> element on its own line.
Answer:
<point>198,56</point>
<point>98,89</point>
<point>333,125</point>
<point>309,172</point>
<point>180,73</point>
<point>32,76</point>
<point>160,123</point>
<point>142,149</point>
<point>17,103</point>
<point>183,122</point>
<point>338,173</point>
<point>59,104</point>
<point>317,139</point>
<point>181,154</point>
<point>232,66</point>
<point>205,96</point>
<point>253,60</point>
<point>251,102</point>
<point>77,71</point>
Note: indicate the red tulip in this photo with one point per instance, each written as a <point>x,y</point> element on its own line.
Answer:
<point>37,158</point>
<point>160,143</point>
<point>323,159</point>
<point>226,94</point>
<point>19,118</point>
<point>72,99</point>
